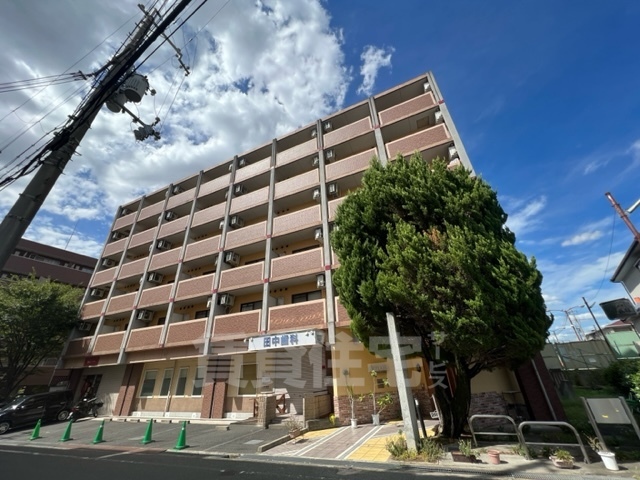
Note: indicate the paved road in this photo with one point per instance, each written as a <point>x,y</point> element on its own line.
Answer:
<point>93,464</point>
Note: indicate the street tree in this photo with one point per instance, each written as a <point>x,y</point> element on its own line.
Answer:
<point>430,245</point>
<point>36,317</point>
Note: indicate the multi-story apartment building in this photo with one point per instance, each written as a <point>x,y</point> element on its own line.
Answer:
<point>216,290</point>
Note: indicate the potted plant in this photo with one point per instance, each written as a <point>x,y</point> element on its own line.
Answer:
<point>562,459</point>
<point>608,458</point>
<point>379,403</point>
<point>464,452</point>
<point>352,399</point>
<point>294,427</point>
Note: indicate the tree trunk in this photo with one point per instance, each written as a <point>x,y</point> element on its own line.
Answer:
<point>453,407</point>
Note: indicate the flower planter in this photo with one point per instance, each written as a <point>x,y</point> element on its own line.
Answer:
<point>375,418</point>
<point>494,457</point>
<point>295,433</point>
<point>354,423</point>
<point>561,463</point>
<point>458,456</point>
<point>609,460</point>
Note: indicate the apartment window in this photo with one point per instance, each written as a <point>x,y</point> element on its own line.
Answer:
<point>149,383</point>
<point>202,314</point>
<point>197,382</point>
<point>246,307</point>
<point>306,297</point>
<point>248,379</point>
<point>304,249</point>
<point>182,381</point>
<point>166,382</point>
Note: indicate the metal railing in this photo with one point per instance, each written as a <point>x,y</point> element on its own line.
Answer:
<point>552,424</point>
<point>516,433</point>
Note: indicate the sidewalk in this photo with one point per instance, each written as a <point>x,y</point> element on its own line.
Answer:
<point>364,446</point>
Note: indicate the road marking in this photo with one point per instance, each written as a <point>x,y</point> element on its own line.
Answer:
<point>359,443</point>
<point>115,455</point>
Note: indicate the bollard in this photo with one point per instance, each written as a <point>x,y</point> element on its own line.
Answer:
<point>67,433</point>
<point>36,431</point>
<point>182,438</point>
<point>147,436</point>
<point>98,437</point>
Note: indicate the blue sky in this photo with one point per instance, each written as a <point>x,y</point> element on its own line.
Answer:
<point>545,96</point>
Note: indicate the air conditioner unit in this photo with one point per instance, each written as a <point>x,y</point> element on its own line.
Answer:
<point>236,222</point>
<point>453,152</point>
<point>163,245</point>
<point>329,155</point>
<point>118,235</point>
<point>327,126</point>
<point>332,190</point>
<point>316,194</point>
<point>170,215</point>
<point>84,326</point>
<point>176,190</point>
<point>318,234</point>
<point>242,163</point>
<point>314,133</point>
<point>97,293</point>
<point>107,262</point>
<point>124,211</point>
<point>144,315</point>
<point>154,277</point>
<point>320,281</point>
<point>239,189</point>
<point>231,258</point>
<point>226,300</point>
<point>439,117</point>
<point>426,87</point>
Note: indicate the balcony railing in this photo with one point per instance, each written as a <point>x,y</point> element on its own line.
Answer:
<point>297,152</point>
<point>143,238</point>
<point>108,343</point>
<point>236,325</point>
<point>121,303</point>
<point>186,333</point>
<point>302,263</point>
<point>244,276</point>
<point>208,246</point>
<point>419,141</point>
<point>342,317</point>
<point>78,347</point>
<point>247,235</point>
<point>210,214</point>
<point>114,247</point>
<point>181,198</point>
<point>348,131</point>
<point>144,338</point>
<point>175,226</point>
<point>253,169</point>
<point>132,269</point>
<point>104,277</point>
<point>92,309</point>
<point>297,184</point>
<point>250,199</point>
<point>408,108</point>
<point>165,259</point>
<point>214,185</point>
<point>292,222</point>
<point>124,221</point>
<point>195,287</point>
<point>150,211</point>
<point>297,316</point>
<point>333,207</point>
<point>155,296</point>
<point>350,165</point>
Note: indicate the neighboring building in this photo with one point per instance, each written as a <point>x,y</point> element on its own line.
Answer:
<point>205,285</point>
<point>47,262</point>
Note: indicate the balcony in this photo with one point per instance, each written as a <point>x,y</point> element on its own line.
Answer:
<point>342,317</point>
<point>150,211</point>
<point>253,170</point>
<point>406,109</point>
<point>78,347</point>
<point>144,338</point>
<point>236,325</point>
<point>247,235</point>
<point>181,198</point>
<point>155,296</point>
<point>249,200</point>
<point>165,259</point>
<point>195,287</point>
<point>301,150</point>
<point>92,310</point>
<point>240,277</point>
<point>176,226</point>
<point>420,141</point>
<point>214,185</point>
<point>124,221</point>
<point>104,277</point>
<point>348,131</point>
<point>302,263</point>
<point>208,215</point>
<point>333,207</point>
<point>121,303</point>
<point>297,316</point>
<point>108,343</point>
<point>292,222</point>
<point>132,269</point>
<point>114,247</point>
<point>143,238</point>
<point>350,165</point>
<point>208,246</point>
<point>186,333</point>
<point>296,184</point>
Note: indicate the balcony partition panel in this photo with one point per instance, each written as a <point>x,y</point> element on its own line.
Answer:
<point>186,333</point>
<point>302,263</point>
<point>240,277</point>
<point>419,141</point>
<point>210,214</point>
<point>121,303</point>
<point>347,132</point>
<point>114,247</point>
<point>250,199</point>
<point>406,109</point>
<point>252,170</point>
<point>297,316</point>
<point>296,184</point>
<point>195,287</point>
<point>143,238</point>
<point>150,211</point>
<point>291,222</point>
<point>104,277</point>
<point>236,325</point>
<point>132,269</point>
<point>108,343</point>
<point>155,296</point>
<point>246,235</point>
<point>214,185</point>
<point>181,198</point>
<point>124,221</point>
<point>350,165</point>
<point>144,338</point>
<point>297,152</point>
<point>208,246</point>
<point>165,259</point>
<point>175,226</point>
<point>92,310</point>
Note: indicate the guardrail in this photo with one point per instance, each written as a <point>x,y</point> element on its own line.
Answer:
<point>517,433</point>
<point>552,424</point>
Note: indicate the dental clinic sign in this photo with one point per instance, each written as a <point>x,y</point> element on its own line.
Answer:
<point>284,340</point>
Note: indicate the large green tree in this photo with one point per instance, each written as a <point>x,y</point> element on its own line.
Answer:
<point>430,245</point>
<point>36,317</point>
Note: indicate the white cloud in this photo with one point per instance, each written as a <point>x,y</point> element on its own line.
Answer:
<point>525,215</point>
<point>581,238</point>
<point>373,59</point>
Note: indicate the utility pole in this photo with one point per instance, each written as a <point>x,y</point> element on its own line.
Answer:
<point>604,337</point>
<point>59,150</point>
<point>624,216</point>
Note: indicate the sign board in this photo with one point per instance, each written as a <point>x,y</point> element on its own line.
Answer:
<point>285,340</point>
<point>608,411</point>
<point>619,308</point>
<point>91,361</point>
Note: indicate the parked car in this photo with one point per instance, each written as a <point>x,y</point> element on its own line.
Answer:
<point>26,410</point>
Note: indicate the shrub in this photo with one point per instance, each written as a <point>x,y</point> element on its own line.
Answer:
<point>618,375</point>
<point>397,446</point>
<point>430,450</point>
